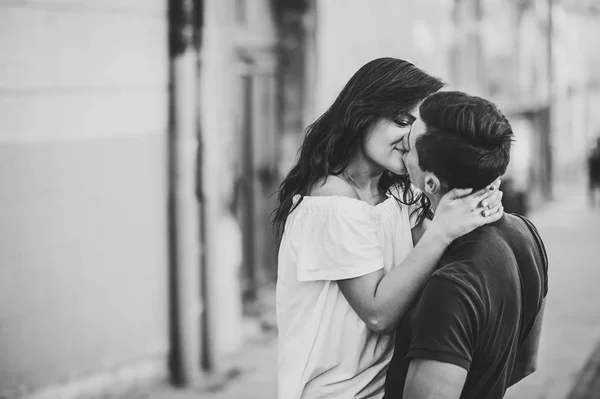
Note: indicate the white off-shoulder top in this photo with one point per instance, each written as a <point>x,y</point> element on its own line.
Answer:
<point>325,349</point>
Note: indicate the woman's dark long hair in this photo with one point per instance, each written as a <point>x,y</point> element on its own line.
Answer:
<point>384,88</point>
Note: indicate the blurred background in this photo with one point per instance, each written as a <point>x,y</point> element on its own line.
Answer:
<point>141,142</point>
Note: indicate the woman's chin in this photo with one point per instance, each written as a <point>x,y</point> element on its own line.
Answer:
<point>399,170</point>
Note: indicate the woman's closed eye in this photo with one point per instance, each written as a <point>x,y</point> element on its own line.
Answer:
<point>402,122</point>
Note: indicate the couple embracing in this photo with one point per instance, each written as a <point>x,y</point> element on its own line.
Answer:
<point>399,274</point>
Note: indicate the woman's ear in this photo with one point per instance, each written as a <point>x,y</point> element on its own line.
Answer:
<point>432,184</point>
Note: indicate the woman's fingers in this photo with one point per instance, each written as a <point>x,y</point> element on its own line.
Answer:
<point>457,193</point>
<point>487,191</point>
<point>490,209</point>
<point>479,196</point>
<point>487,197</point>
<point>492,217</point>
<point>496,184</point>
<point>492,201</point>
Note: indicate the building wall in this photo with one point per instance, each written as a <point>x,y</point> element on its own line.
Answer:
<point>238,134</point>
<point>574,72</point>
<point>419,32</point>
<point>574,121</point>
<point>83,249</point>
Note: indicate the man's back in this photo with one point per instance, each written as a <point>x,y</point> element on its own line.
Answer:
<point>477,308</point>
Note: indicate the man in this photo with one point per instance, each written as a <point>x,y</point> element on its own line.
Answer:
<point>593,162</point>
<point>475,329</point>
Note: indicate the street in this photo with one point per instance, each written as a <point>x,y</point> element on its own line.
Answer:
<point>257,365</point>
<point>572,322</point>
<point>571,328</point>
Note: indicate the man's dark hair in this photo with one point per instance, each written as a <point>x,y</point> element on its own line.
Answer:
<point>466,141</point>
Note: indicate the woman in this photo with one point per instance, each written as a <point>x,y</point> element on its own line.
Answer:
<point>347,269</point>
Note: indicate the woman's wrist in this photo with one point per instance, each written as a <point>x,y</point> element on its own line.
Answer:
<point>437,234</point>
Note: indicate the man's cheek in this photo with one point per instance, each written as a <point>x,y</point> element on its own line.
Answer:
<point>407,164</point>
<point>407,161</point>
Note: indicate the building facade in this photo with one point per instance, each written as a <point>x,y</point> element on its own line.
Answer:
<point>83,135</point>
<point>92,126</point>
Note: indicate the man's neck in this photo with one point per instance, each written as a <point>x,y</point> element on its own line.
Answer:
<point>435,200</point>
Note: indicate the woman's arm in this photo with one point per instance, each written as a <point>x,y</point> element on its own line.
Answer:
<point>382,300</point>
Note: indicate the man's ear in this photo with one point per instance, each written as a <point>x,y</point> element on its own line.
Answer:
<point>432,184</point>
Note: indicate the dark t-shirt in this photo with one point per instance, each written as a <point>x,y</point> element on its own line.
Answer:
<point>477,308</point>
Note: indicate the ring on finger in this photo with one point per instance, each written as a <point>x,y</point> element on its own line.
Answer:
<point>486,204</point>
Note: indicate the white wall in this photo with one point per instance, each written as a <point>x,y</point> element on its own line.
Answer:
<point>226,42</point>
<point>83,123</point>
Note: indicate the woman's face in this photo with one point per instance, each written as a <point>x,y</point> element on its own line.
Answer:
<point>384,144</point>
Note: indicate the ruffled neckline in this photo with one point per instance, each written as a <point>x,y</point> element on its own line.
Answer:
<point>337,203</point>
<point>334,198</point>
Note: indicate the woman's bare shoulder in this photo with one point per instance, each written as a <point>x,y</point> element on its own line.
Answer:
<point>333,186</point>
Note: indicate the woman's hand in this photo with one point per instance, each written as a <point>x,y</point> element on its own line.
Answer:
<point>460,212</point>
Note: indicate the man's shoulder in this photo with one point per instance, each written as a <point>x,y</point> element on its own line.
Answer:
<point>493,235</point>
<point>473,260</point>
<point>523,231</point>
<point>474,246</point>
<point>513,219</point>
<point>493,253</point>
<point>462,275</point>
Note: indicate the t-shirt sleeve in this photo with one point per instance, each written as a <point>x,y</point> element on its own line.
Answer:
<point>444,323</point>
<point>338,245</point>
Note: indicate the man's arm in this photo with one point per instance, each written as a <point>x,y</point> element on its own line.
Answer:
<point>526,360</point>
<point>430,379</point>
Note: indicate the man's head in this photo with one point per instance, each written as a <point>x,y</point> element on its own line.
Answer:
<point>460,141</point>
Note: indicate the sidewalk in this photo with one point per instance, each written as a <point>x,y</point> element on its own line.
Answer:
<point>257,365</point>
<point>571,330</point>
<point>254,369</point>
